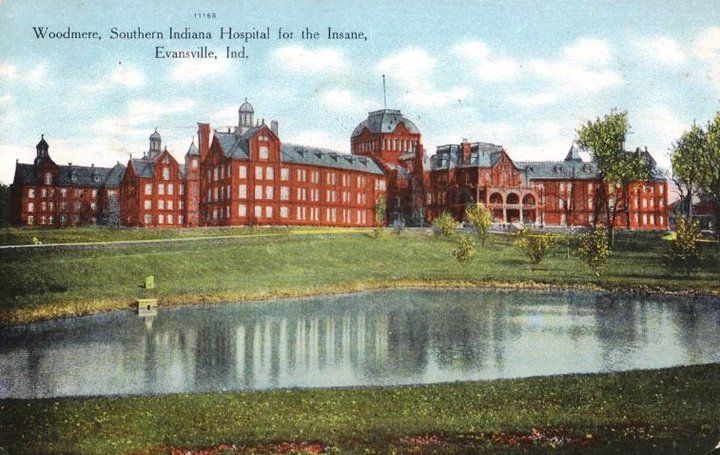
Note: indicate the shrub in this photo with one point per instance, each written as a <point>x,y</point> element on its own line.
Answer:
<point>683,248</point>
<point>481,219</point>
<point>534,245</point>
<point>444,225</point>
<point>465,249</point>
<point>593,248</point>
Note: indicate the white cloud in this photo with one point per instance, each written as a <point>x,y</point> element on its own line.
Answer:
<point>488,67</point>
<point>31,75</point>
<point>341,99</point>
<point>661,49</point>
<point>195,70</point>
<point>320,138</point>
<point>657,127</point>
<point>707,44</point>
<point>413,70</point>
<point>5,100</point>
<point>707,49</point>
<point>301,59</point>
<point>582,69</point>
<point>122,75</point>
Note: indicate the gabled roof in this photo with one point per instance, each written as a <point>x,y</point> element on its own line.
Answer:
<point>315,156</point>
<point>193,150</point>
<point>86,176</point>
<point>482,154</point>
<point>143,167</point>
<point>385,121</point>
<point>234,146</point>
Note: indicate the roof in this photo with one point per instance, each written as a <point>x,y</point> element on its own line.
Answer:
<point>568,169</point>
<point>234,146</point>
<point>315,156</point>
<point>482,154</point>
<point>246,107</point>
<point>385,121</point>
<point>193,150</point>
<point>86,176</point>
<point>143,167</point>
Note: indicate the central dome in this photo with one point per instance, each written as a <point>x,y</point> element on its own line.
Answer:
<point>385,121</point>
<point>246,108</point>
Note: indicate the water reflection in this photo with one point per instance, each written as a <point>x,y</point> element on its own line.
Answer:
<point>365,339</point>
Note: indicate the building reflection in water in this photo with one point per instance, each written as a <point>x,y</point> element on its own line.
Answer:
<point>366,339</point>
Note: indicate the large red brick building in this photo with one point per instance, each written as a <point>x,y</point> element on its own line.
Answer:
<point>245,175</point>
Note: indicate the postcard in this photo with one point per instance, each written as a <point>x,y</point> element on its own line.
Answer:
<point>359,227</point>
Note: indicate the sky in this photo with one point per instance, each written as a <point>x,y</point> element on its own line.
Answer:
<point>523,74</point>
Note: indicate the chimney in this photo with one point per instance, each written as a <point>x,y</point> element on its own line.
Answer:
<point>466,150</point>
<point>274,127</point>
<point>203,140</point>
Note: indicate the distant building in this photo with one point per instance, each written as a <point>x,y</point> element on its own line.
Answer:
<point>245,175</point>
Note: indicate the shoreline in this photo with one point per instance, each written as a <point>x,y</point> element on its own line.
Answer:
<point>20,317</point>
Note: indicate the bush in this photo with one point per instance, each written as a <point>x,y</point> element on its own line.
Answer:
<point>683,252</point>
<point>444,225</point>
<point>481,219</point>
<point>593,249</point>
<point>534,245</point>
<point>465,249</point>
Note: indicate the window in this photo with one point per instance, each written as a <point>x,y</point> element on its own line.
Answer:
<point>170,219</point>
<point>194,163</point>
<point>284,174</point>
<point>316,177</point>
<point>215,174</point>
<point>31,220</point>
<point>301,175</point>
<point>263,152</point>
<point>182,190</point>
<point>284,212</point>
<point>269,173</point>
<point>63,193</point>
<point>170,188</point>
<point>268,192</point>
<point>161,204</point>
<point>242,191</point>
<point>242,171</point>
<point>258,211</point>
<point>242,210</point>
<point>170,205</point>
<point>644,218</point>
<point>161,219</point>
<point>181,219</point>
<point>660,191</point>
<point>284,193</point>
<point>31,193</point>
<point>31,207</point>
<point>161,188</point>
<point>148,204</point>
<point>165,173</point>
<point>182,205</point>
<point>148,188</point>
<point>268,211</point>
<point>258,191</point>
<point>48,178</point>
<point>258,173</point>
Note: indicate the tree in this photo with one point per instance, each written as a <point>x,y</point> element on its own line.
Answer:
<point>444,225</point>
<point>710,164</point>
<point>534,245</point>
<point>605,139</point>
<point>683,249</point>
<point>380,210</point>
<point>687,158</point>
<point>593,249</point>
<point>481,219</point>
<point>5,214</point>
<point>465,248</point>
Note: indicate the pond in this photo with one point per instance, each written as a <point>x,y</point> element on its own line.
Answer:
<point>378,338</point>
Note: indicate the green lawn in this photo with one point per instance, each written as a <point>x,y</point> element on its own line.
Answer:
<point>53,282</point>
<point>25,236</point>
<point>662,411</point>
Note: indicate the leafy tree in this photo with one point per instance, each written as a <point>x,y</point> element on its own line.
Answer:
<point>380,210</point>
<point>444,225</point>
<point>534,245</point>
<point>687,158</point>
<point>593,249</point>
<point>481,219</point>
<point>683,249</point>
<point>5,215</point>
<point>465,249</point>
<point>605,139</point>
<point>710,164</point>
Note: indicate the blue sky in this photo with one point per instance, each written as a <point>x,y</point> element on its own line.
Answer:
<point>520,74</point>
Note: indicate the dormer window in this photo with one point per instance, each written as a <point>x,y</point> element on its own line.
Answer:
<point>48,178</point>
<point>264,152</point>
<point>73,176</point>
<point>166,173</point>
